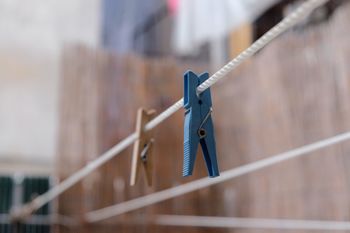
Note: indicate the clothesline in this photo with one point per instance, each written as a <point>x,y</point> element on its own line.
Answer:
<point>137,203</point>
<point>41,220</point>
<point>300,13</point>
<point>251,223</point>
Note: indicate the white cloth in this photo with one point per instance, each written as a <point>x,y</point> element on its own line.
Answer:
<point>200,21</point>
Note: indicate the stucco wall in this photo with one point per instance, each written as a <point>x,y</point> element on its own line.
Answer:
<point>32,33</point>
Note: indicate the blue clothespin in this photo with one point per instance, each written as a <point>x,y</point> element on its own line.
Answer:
<point>198,126</point>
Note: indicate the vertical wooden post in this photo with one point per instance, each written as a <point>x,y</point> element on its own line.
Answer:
<point>240,39</point>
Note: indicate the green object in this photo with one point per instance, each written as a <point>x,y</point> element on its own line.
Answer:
<point>34,186</point>
<point>31,228</point>
<point>6,188</point>
<point>31,187</point>
<point>5,228</point>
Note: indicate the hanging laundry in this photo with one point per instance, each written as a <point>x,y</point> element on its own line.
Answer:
<point>173,6</point>
<point>201,21</point>
<point>120,20</point>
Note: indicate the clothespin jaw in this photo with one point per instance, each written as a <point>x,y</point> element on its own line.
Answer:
<point>198,125</point>
<point>143,148</point>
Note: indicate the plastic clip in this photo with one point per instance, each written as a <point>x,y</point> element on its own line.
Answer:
<point>198,125</point>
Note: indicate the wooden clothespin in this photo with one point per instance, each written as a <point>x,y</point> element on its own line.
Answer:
<point>142,153</point>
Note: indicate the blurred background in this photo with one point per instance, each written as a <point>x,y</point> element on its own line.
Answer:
<point>73,74</point>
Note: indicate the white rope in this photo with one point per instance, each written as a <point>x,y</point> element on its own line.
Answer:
<point>75,178</point>
<point>41,220</point>
<point>164,115</point>
<point>252,223</point>
<point>137,203</point>
<point>301,12</point>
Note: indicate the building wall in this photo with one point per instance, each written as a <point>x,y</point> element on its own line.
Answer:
<point>32,34</point>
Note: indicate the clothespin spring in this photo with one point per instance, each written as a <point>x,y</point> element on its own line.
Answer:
<point>145,151</point>
<point>201,131</point>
